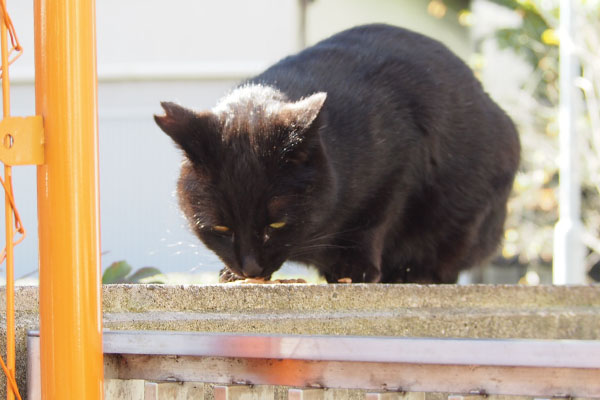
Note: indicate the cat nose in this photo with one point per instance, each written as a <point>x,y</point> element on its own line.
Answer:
<point>250,267</point>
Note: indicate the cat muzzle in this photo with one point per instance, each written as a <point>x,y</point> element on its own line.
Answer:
<point>251,268</point>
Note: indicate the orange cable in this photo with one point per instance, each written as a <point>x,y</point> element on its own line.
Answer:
<point>14,40</point>
<point>18,223</point>
<point>13,383</point>
<point>9,191</point>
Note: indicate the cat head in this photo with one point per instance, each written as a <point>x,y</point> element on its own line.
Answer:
<point>254,170</point>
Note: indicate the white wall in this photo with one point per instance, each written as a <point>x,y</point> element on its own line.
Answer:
<point>187,51</point>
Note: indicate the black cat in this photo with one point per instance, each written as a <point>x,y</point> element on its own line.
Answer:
<point>374,155</point>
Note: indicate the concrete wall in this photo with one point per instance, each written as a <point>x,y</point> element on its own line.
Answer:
<point>479,311</point>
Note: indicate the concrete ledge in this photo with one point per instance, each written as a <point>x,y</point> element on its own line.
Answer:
<point>479,311</point>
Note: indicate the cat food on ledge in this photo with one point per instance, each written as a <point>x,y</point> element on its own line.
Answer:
<point>275,281</point>
<point>264,281</point>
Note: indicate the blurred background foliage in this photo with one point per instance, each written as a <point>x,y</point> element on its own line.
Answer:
<point>532,35</point>
<point>121,272</point>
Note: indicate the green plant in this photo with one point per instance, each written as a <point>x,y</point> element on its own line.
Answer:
<point>120,272</point>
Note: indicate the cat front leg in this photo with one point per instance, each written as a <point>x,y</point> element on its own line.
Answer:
<point>359,265</point>
<point>357,272</point>
<point>358,258</point>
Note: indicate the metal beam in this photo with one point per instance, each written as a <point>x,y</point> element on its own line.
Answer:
<point>484,366</point>
<point>488,352</point>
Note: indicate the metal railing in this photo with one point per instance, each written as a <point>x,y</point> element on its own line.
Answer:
<point>485,366</point>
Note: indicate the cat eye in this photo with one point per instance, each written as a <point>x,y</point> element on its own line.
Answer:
<point>277,225</point>
<point>221,228</point>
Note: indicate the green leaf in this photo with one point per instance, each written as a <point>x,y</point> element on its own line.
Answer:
<point>116,272</point>
<point>143,273</point>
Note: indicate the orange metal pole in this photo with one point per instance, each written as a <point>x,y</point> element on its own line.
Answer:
<point>70,290</point>
<point>10,276</point>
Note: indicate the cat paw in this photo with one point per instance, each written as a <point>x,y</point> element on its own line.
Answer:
<point>372,275</point>
<point>225,275</point>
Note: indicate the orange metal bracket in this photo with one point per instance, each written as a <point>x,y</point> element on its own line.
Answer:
<point>22,141</point>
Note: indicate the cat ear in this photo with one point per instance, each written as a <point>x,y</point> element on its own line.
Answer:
<point>301,138</point>
<point>302,113</point>
<point>176,121</point>
<point>192,132</point>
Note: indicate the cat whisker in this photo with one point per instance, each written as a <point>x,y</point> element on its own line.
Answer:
<point>325,246</point>
<point>329,235</point>
<point>310,249</point>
